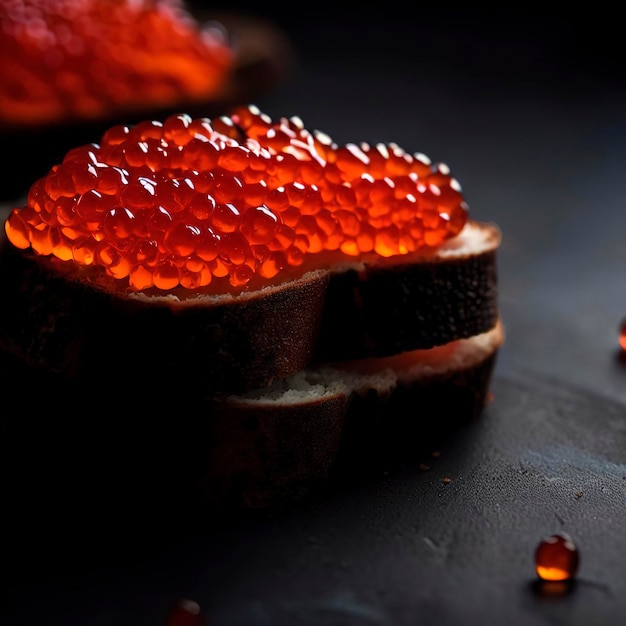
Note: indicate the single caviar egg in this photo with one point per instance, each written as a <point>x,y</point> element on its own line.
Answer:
<point>622,335</point>
<point>72,60</point>
<point>556,558</point>
<point>185,612</point>
<point>231,203</point>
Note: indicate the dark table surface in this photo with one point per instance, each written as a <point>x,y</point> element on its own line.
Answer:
<point>530,114</point>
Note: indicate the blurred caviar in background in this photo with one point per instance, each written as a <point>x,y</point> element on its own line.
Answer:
<point>84,59</point>
<point>69,69</point>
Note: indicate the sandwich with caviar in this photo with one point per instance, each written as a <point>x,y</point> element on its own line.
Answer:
<point>280,307</point>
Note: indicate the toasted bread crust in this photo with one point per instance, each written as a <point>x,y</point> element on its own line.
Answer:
<point>382,309</point>
<point>226,344</point>
<point>263,457</point>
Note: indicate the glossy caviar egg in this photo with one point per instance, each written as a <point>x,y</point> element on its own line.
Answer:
<point>185,612</point>
<point>231,203</point>
<point>622,334</point>
<point>85,59</point>
<point>557,558</point>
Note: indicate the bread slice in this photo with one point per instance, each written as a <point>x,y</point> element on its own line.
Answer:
<point>342,420</point>
<point>58,319</point>
<point>148,382</point>
<point>115,454</point>
<point>58,323</point>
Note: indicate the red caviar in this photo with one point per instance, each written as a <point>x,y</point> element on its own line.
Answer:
<point>85,59</point>
<point>622,335</point>
<point>185,613</point>
<point>556,558</point>
<point>241,198</point>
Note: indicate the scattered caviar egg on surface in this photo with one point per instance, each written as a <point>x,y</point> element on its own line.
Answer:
<point>84,59</point>
<point>185,612</point>
<point>227,204</point>
<point>556,558</point>
<point>622,335</point>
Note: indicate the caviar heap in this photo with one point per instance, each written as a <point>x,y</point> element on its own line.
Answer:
<point>69,60</point>
<point>232,203</point>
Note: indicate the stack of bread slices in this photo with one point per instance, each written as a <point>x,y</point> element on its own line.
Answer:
<point>261,394</point>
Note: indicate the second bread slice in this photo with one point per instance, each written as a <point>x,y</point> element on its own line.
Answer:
<point>279,443</point>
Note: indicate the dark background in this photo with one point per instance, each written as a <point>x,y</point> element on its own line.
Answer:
<point>528,108</point>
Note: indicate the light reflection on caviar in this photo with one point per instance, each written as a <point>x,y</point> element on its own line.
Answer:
<point>84,59</point>
<point>180,203</point>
